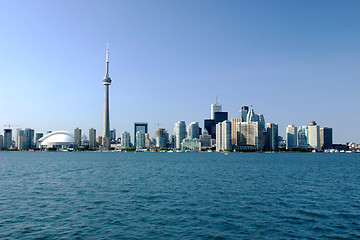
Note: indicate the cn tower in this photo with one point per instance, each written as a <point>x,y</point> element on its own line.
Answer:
<point>106,127</point>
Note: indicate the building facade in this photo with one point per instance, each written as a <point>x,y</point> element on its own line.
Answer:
<point>193,130</point>
<point>314,135</point>
<point>326,138</point>
<point>291,137</point>
<point>180,133</point>
<point>92,139</point>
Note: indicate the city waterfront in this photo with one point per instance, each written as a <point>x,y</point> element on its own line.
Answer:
<point>179,195</point>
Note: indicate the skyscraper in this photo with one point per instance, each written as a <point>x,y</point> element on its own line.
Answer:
<point>113,135</point>
<point>7,138</point>
<point>125,140</point>
<point>193,130</point>
<point>162,137</point>
<point>302,137</point>
<point>140,140</point>
<point>226,135</point>
<point>291,137</point>
<point>92,139</point>
<point>106,127</point>
<point>77,137</point>
<point>272,137</point>
<point>243,113</point>
<point>1,142</point>
<point>140,126</point>
<point>326,138</point>
<point>29,133</point>
<point>314,135</point>
<point>180,133</point>
<point>215,108</point>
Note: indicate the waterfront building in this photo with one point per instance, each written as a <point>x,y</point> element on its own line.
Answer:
<point>77,138</point>
<point>1,142</point>
<point>250,134</point>
<point>190,144</point>
<point>272,136</point>
<point>219,136</point>
<point>291,137</point>
<point>314,135</point>
<point>161,137</point>
<point>140,140</point>
<point>205,139</point>
<point>29,133</point>
<point>326,138</point>
<point>180,133</point>
<point>92,139</point>
<point>302,137</point>
<point>140,126</point>
<point>193,130</point>
<point>106,126</point>
<point>226,136</point>
<point>7,138</point>
<point>20,142</point>
<point>57,139</point>
<point>125,140</point>
<point>147,140</point>
<point>234,121</point>
<point>215,108</point>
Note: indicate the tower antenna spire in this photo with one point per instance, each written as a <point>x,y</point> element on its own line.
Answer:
<point>107,59</point>
<point>217,100</point>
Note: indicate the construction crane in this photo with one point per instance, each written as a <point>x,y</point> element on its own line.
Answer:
<point>10,125</point>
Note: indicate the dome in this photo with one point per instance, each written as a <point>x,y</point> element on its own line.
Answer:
<point>56,138</point>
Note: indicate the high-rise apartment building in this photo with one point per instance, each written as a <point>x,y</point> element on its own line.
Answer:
<point>180,133</point>
<point>193,130</point>
<point>226,135</point>
<point>77,138</point>
<point>302,137</point>
<point>140,140</point>
<point>92,139</point>
<point>125,140</point>
<point>29,133</point>
<point>7,138</point>
<point>161,137</point>
<point>1,142</point>
<point>291,137</point>
<point>272,136</point>
<point>20,142</point>
<point>314,135</point>
<point>326,138</point>
<point>140,126</point>
<point>234,121</point>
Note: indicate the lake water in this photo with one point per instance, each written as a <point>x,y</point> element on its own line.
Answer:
<point>70,195</point>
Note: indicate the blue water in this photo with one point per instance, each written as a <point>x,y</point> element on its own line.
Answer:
<point>179,195</point>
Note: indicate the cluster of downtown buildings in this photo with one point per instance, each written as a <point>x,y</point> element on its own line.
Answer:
<point>249,132</point>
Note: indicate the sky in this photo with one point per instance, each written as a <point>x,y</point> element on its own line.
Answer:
<point>294,61</point>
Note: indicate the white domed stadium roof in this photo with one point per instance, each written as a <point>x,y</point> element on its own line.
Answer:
<point>56,137</point>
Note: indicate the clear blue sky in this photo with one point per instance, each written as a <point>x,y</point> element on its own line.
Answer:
<point>294,61</point>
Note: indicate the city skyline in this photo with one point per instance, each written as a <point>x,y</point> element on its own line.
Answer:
<point>168,71</point>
